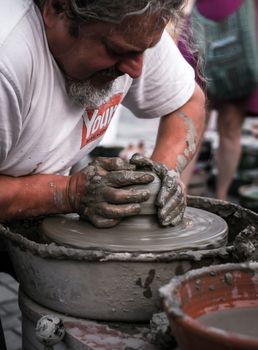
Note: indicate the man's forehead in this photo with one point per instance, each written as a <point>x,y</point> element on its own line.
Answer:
<point>135,33</point>
<point>142,23</point>
<point>138,31</point>
<point>135,43</point>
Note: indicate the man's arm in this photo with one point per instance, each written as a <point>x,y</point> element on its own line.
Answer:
<point>180,132</point>
<point>99,193</point>
<point>33,195</point>
<point>177,140</point>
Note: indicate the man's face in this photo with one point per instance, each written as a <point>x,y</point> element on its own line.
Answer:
<point>102,51</point>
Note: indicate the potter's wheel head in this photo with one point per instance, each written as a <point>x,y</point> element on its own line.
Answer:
<point>199,230</point>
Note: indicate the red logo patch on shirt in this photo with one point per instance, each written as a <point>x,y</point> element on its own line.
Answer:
<point>96,122</point>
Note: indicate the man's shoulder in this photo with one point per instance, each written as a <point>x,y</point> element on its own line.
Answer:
<point>20,40</point>
<point>12,12</point>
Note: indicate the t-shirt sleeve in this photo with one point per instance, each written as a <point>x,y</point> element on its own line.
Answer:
<point>10,117</point>
<point>167,82</point>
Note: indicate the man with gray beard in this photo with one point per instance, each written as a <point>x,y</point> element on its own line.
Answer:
<point>65,66</point>
<point>85,94</point>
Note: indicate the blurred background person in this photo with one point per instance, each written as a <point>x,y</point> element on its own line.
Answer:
<point>231,112</point>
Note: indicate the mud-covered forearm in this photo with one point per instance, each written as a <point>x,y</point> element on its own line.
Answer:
<point>28,196</point>
<point>180,133</point>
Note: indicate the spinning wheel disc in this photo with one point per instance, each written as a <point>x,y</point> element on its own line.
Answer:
<point>200,229</point>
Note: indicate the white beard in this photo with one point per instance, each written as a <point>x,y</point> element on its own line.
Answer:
<point>86,94</point>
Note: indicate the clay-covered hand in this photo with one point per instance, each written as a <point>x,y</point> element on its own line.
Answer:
<point>98,193</point>
<point>171,199</point>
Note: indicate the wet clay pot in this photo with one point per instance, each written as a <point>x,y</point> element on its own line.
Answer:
<point>103,285</point>
<point>214,308</point>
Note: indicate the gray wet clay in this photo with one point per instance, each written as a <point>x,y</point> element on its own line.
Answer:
<point>240,320</point>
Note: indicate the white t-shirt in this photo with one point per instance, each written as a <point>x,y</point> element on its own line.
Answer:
<point>41,129</point>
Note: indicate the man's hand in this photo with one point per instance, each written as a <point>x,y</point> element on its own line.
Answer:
<point>99,195</point>
<point>171,199</point>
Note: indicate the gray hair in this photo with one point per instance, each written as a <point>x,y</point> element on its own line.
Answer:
<point>115,11</point>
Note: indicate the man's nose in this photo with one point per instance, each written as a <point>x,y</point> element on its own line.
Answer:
<point>131,65</point>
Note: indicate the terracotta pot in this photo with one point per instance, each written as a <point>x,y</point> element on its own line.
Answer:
<point>214,291</point>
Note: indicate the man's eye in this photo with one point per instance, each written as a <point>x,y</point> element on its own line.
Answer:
<point>112,52</point>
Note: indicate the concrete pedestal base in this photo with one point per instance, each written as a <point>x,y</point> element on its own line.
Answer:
<point>82,334</point>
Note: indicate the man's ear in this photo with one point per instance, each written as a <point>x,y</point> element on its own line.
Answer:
<point>52,11</point>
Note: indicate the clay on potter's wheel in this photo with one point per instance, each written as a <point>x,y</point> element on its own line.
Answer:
<point>199,229</point>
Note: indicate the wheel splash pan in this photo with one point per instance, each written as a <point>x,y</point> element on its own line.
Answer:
<point>115,286</point>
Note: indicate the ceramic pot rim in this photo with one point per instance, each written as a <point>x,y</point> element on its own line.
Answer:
<point>171,302</point>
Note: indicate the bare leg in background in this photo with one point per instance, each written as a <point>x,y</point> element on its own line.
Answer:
<point>230,121</point>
